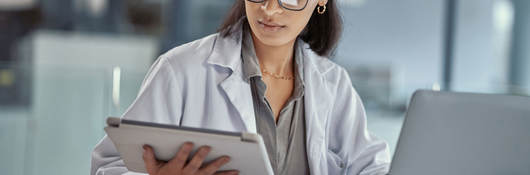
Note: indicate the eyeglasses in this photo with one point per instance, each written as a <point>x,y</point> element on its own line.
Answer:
<point>294,5</point>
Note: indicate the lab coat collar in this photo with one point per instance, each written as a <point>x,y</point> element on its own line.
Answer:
<point>227,50</point>
<point>226,53</point>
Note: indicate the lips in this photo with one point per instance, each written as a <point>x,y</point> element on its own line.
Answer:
<point>270,26</point>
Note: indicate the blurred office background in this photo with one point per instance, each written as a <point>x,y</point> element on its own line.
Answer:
<point>65,65</point>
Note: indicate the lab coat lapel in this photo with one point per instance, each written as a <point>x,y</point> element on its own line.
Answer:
<point>317,107</point>
<point>240,96</point>
<point>227,54</point>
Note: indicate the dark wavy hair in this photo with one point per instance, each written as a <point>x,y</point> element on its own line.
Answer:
<point>322,32</point>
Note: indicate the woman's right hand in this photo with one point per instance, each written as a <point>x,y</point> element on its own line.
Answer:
<point>178,165</point>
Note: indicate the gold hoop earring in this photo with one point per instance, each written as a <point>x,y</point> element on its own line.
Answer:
<point>321,11</point>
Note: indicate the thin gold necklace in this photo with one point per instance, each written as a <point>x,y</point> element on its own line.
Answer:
<point>277,76</point>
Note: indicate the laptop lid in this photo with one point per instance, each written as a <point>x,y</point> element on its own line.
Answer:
<point>463,133</point>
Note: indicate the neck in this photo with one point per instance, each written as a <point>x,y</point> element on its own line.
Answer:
<point>277,59</point>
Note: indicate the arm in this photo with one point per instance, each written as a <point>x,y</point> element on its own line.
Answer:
<point>159,100</point>
<point>363,153</point>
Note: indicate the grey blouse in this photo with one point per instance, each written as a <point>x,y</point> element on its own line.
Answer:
<point>284,140</point>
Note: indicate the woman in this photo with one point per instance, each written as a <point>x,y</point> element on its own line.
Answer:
<point>266,72</point>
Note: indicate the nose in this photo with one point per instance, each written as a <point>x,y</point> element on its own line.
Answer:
<point>271,7</point>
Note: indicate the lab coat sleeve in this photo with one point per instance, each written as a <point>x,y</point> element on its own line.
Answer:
<point>362,152</point>
<point>158,101</point>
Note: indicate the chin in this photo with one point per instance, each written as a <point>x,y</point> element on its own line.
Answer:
<point>276,39</point>
<point>272,41</point>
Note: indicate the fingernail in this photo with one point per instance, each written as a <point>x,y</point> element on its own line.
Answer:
<point>188,145</point>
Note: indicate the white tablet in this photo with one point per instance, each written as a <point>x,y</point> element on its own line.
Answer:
<point>246,150</point>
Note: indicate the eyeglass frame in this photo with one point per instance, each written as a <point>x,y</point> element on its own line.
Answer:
<point>281,4</point>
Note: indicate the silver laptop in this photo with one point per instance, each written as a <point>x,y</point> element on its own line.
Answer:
<point>464,134</point>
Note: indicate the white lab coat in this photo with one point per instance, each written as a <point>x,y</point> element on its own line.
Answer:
<point>201,84</point>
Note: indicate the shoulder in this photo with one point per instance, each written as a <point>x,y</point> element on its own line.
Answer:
<point>191,54</point>
<point>332,73</point>
<point>182,62</point>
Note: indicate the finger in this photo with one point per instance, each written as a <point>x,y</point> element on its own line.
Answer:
<point>227,172</point>
<point>182,155</point>
<point>151,164</point>
<point>195,163</point>
<point>213,166</point>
